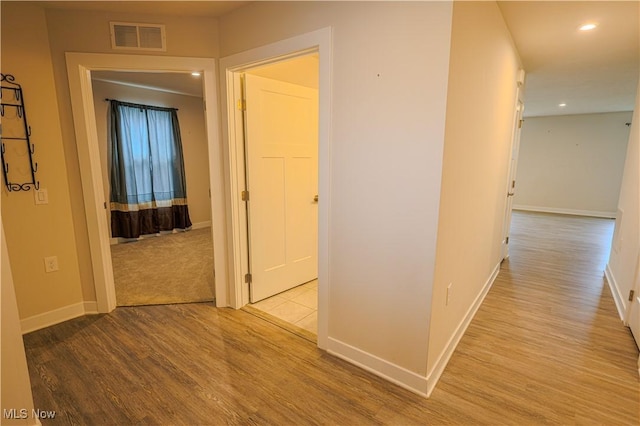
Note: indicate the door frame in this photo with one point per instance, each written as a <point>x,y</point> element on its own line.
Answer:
<point>320,42</point>
<point>79,67</point>
<point>512,168</point>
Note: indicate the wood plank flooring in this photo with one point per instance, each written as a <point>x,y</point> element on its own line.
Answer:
<point>545,347</point>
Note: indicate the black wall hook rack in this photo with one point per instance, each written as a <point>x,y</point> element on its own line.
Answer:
<point>15,135</point>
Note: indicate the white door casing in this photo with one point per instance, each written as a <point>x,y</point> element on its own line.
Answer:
<point>282,178</point>
<point>79,67</point>
<point>513,165</point>
<point>320,42</point>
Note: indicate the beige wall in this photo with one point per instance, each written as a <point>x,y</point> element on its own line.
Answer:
<point>625,250</point>
<point>192,130</point>
<point>36,57</point>
<point>390,72</point>
<point>16,386</point>
<point>480,111</point>
<point>572,163</point>
<point>185,37</point>
<point>389,78</point>
<point>34,232</point>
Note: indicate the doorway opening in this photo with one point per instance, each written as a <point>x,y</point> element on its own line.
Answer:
<point>513,165</point>
<point>280,133</point>
<point>171,266</point>
<point>80,66</point>
<point>232,68</point>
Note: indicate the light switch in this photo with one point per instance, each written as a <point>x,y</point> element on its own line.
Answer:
<point>42,196</point>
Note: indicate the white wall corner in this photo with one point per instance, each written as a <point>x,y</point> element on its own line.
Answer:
<point>402,377</point>
<point>56,316</point>
<point>618,297</point>
<point>434,375</point>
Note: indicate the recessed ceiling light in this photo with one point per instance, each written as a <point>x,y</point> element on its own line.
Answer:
<point>587,27</point>
<point>562,105</point>
<point>195,74</point>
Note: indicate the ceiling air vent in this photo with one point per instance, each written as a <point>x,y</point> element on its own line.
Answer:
<point>127,35</point>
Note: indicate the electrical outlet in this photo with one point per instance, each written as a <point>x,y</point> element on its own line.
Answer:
<point>448,294</point>
<point>51,264</point>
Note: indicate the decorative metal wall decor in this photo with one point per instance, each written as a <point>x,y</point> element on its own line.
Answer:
<point>18,168</point>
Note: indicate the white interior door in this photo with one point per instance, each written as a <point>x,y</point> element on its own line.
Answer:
<point>515,148</point>
<point>282,180</point>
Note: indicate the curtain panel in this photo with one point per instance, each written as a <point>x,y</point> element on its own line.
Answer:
<point>148,187</point>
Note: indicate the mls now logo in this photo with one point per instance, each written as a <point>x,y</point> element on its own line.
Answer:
<point>23,413</point>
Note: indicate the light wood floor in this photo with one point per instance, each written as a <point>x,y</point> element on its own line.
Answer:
<point>545,347</point>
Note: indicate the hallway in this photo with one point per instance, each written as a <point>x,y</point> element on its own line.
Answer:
<point>547,344</point>
<point>545,347</point>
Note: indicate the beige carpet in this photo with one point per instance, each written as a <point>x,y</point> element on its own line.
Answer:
<point>172,268</point>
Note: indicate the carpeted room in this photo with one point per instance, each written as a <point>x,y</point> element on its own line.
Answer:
<point>172,268</point>
<point>164,267</point>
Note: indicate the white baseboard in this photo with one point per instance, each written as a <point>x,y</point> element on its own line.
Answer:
<point>401,376</point>
<point>47,319</point>
<point>200,225</point>
<point>618,298</point>
<point>590,213</point>
<point>378,366</point>
<point>91,308</point>
<point>434,375</point>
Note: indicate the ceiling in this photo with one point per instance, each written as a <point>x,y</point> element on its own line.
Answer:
<point>302,70</point>
<point>594,71</point>
<point>180,83</point>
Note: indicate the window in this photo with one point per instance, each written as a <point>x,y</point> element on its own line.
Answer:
<point>148,188</point>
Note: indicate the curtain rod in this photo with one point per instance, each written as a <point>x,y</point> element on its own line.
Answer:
<point>142,106</point>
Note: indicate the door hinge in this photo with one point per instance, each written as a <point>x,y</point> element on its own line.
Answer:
<point>105,205</point>
<point>520,124</point>
<point>242,104</point>
<point>631,293</point>
<point>247,278</point>
<point>245,195</point>
<point>507,240</point>
<point>513,184</point>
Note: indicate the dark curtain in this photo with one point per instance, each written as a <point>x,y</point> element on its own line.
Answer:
<point>148,189</point>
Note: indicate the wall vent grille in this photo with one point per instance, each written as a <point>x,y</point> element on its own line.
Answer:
<point>133,36</point>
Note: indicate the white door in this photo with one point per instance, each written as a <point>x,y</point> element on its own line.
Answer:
<point>282,180</point>
<point>511,187</point>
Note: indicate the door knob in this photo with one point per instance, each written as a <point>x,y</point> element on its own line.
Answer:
<point>315,199</point>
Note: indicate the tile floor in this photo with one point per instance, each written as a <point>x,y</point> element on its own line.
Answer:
<point>298,306</point>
